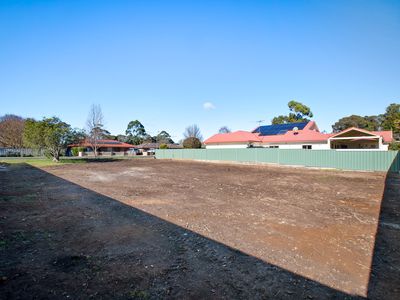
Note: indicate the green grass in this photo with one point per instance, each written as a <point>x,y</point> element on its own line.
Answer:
<point>46,162</point>
<point>40,162</point>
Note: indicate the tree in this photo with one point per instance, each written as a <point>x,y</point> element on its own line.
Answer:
<point>370,123</point>
<point>149,139</point>
<point>224,129</point>
<point>193,131</point>
<point>391,119</point>
<point>76,136</point>
<point>11,131</point>
<point>109,136</point>
<point>394,146</point>
<point>95,130</point>
<point>122,138</point>
<point>298,113</point>
<point>136,132</point>
<point>50,134</point>
<point>164,138</point>
<point>192,143</point>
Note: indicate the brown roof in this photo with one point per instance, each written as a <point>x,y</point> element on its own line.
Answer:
<point>104,143</point>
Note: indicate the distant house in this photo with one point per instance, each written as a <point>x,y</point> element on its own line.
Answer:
<point>149,148</point>
<point>104,147</point>
<point>304,135</point>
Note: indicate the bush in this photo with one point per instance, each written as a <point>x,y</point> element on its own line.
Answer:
<point>394,146</point>
<point>163,146</point>
<point>75,150</point>
<point>192,143</point>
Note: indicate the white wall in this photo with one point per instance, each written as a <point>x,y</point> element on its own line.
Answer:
<point>320,146</point>
<point>315,146</point>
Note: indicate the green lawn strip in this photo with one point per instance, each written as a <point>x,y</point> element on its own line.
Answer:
<point>46,162</point>
<point>40,162</point>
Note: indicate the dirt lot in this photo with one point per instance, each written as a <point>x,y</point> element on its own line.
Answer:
<point>147,229</point>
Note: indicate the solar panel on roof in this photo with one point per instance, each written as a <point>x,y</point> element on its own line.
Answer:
<point>278,128</point>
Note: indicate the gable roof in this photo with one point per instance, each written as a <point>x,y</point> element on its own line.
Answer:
<point>386,135</point>
<point>355,129</point>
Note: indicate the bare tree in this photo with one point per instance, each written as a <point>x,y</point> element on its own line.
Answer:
<point>224,129</point>
<point>193,131</point>
<point>95,130</point>
<point>11,131</point>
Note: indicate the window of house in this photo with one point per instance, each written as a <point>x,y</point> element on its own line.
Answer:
<point>274,147</point>
<point>307,147</point>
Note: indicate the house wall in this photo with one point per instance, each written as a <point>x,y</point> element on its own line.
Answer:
<point>315,146</point>
<point>110,149</point>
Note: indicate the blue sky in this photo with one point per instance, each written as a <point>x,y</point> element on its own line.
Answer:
<point>161,61</point>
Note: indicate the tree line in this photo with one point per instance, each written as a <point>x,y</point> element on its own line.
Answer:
<point>52,135</point>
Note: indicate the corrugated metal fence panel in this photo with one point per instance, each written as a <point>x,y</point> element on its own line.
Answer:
<point>346,160</point>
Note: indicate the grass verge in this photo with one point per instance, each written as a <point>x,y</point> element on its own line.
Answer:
<point>40,162</point>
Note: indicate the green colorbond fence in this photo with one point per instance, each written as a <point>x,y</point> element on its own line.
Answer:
<point>345,160</point>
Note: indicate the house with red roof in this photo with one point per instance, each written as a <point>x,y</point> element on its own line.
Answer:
<point>104,146</point>
<point>302,135</point>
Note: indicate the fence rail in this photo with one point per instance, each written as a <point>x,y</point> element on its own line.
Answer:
<point>345,160</point>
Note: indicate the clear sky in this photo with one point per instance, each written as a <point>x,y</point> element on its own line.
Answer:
<point>174,63</point>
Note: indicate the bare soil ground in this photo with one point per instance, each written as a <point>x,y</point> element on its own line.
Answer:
<point>149,229</point>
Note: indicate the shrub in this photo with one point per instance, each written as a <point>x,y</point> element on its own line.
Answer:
<point>192,143</point>
<point>75,150</point>
<point>394,146</point>
<point>163,146</point>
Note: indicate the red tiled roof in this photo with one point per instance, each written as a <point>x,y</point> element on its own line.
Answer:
<point>104,144</point>
<point>300,136</point>
<point>309,134</point>
<point>239,136</point>
<point>387,135</point>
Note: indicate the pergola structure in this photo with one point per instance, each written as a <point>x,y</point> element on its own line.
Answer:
<point>355,138</point>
